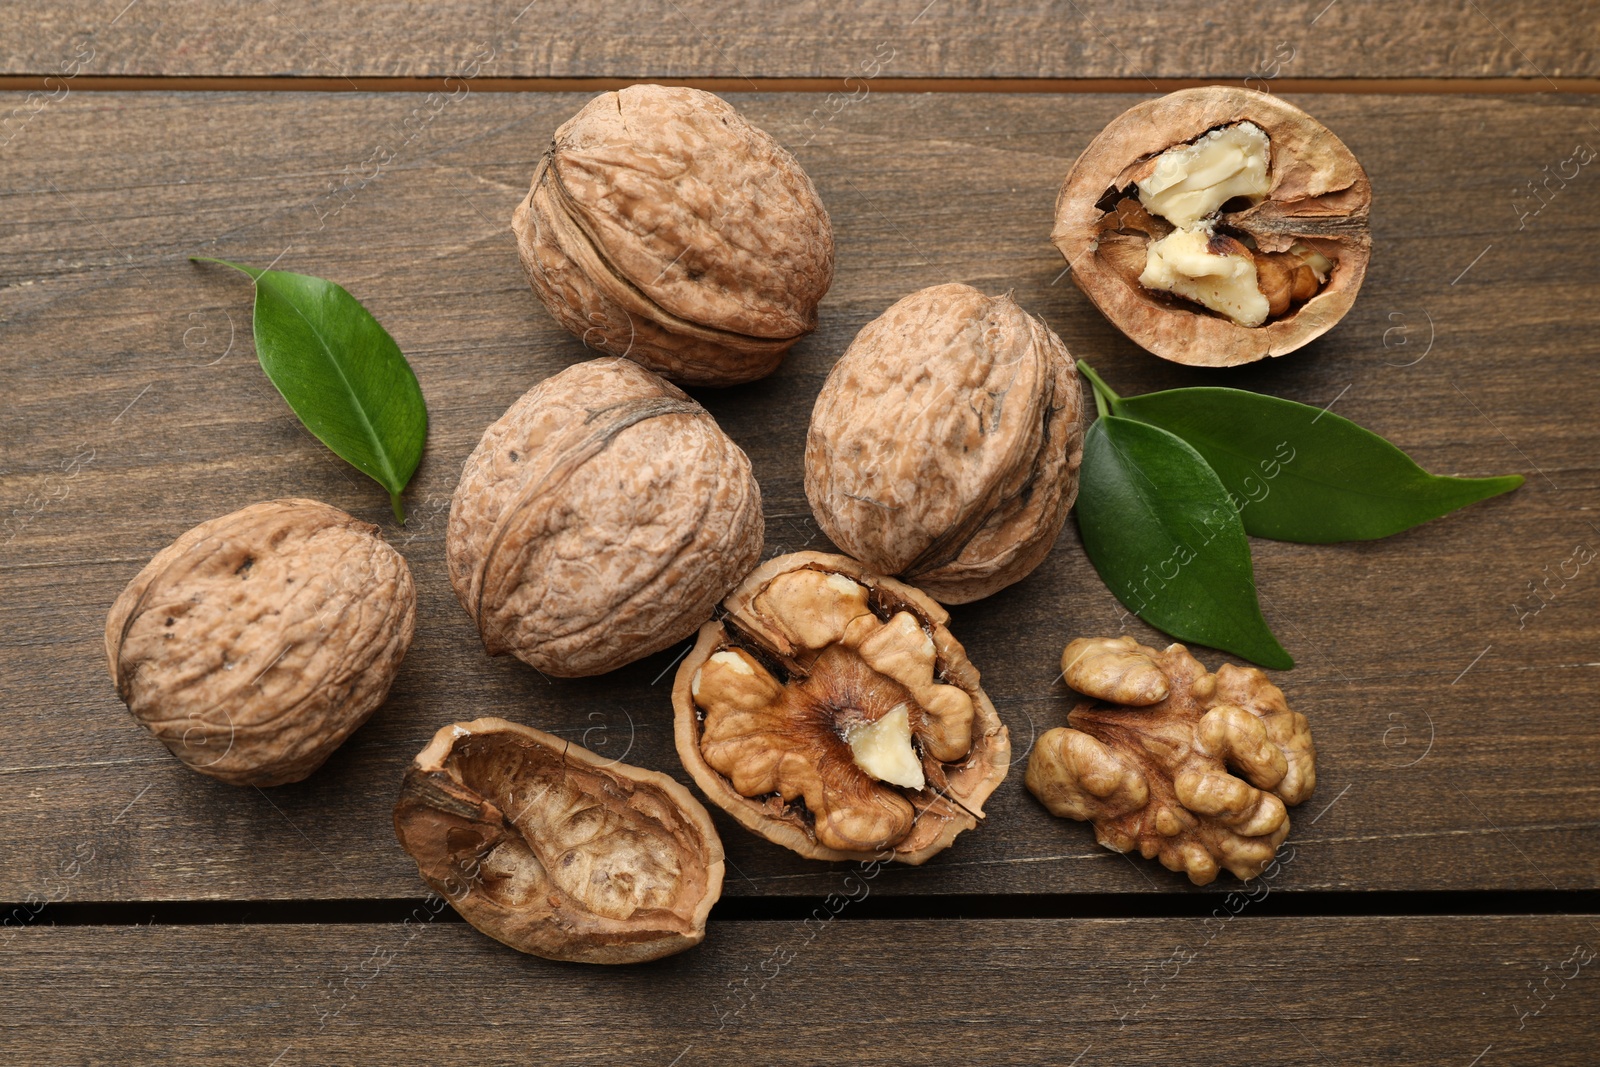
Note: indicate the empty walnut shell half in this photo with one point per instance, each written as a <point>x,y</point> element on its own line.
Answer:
<point>831,712</point>
<point>1189,767</point>
<point>1217,226</point>
<point>600,520</point>
<point>547,847</point>
<point>663,227</point>
<point>254,644</point>
<point>945,444</point>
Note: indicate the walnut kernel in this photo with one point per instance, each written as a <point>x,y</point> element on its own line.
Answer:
<point>1190,767</point>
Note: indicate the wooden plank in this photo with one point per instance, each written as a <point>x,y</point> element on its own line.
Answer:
<point>1290,992</point>
<point>1456,731</point>
<point>718,38</point>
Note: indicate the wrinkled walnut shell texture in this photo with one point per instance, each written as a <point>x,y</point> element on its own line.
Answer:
<point>945,444</point>
<point>785,635</point>
<point>548,848</point>
<point>254,644</point>
<point>599,520</point>
<point>1189,767</point>
<point>664,227</point>
<point>1320,195</point>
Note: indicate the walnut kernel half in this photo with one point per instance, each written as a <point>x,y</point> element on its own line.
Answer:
<point>1193,768</point>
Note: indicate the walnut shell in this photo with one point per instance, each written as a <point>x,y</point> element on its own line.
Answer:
<point>774,698</point>
<point>599,520</point>
<point>663,227</point>
<point>945,444</point>
<point>1319,199</point>
<point>254,644</point>
<point>1190,767</point>
<point>548,848</point>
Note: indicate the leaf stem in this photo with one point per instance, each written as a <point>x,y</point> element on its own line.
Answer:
<point>1104,396</point>
<point>254,273</point>
<point>399,512</point>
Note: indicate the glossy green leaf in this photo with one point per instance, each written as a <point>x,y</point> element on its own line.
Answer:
<point>341,373</point>
<point>1159,527</point>
<point>1299,473</point>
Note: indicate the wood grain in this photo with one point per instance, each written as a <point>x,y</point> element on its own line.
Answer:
<point>1455,730</point>
<point>1088,992</point>
<point>1226,39</point>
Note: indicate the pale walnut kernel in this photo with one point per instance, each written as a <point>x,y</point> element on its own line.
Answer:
<point>1208,268</point>
<point>1191,182</point>
<point>1193,768</point>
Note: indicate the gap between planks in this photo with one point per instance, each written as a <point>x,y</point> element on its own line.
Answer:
<point>1262,901</point>
<point>295,83</point>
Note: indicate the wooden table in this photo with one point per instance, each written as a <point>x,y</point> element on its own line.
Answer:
<point>1436,901</point>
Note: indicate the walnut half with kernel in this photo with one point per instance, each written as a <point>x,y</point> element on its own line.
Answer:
<point>831,711</point>
<point>1186,766</point>
<point>1217,226</point>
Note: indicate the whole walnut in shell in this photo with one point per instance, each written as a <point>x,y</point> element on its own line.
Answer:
<point>831,711</point>
<point>945,444</point>
<point>599,520</point>
<point>1191,767</point>
<point>547,847</point>
<point>1216,226</point>
<point>254,644</point>
<point>663,227</point>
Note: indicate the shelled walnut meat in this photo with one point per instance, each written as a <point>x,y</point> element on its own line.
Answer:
<point>547,847</point>
<point>1166,758</point>
<point>945,444</point>
<point>832,712</point>
<point>1217,226</point>
<point>600,520</point>
<point>254,644</point>
<point>664,227</point>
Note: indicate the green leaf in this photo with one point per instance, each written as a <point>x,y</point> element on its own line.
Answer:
<point>1159,527</point>
<point>1299,473</point>
<point>341,373</point>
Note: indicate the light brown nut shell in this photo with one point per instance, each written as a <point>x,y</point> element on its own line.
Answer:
<point>945,444</point>
<point>254,644</point>
<point>548,848</point>
<point>1189,767</point>
<point>664,227</point>
<point>599,520</point>
<point>1320,196</point>
<point>790,637</point>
